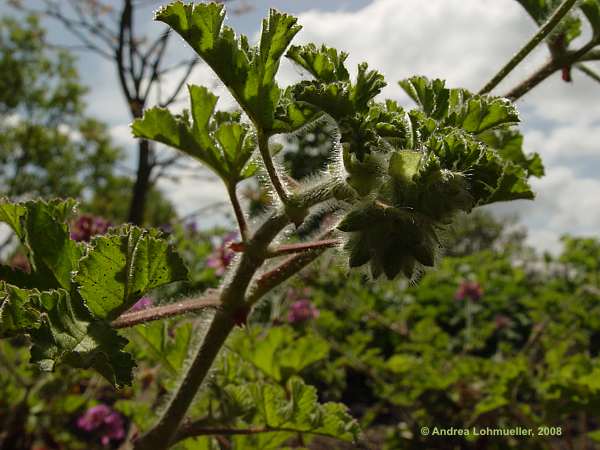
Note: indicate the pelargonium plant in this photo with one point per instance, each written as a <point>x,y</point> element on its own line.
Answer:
<point>398,177</point>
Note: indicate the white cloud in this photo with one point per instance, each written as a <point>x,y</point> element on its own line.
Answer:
<point>462,41</point>
<point>565,203</point>
<point>465,42</point>
<point>574,145</point>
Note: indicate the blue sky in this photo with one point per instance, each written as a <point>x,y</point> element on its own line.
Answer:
<point>463,41</point>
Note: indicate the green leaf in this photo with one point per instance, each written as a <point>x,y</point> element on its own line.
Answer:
<point>591,10</point>
<point>226,151</point>
<point>62,331</point>
<point>509,145</point>
<point>300,411</point>
<point>157,343</point>
<point>248,72</point>
<point>432,96</point>
<point>40,227</point>
<point>476,114</point>
<point>458,107</point>
<point>332,98</point>
<point>369,84</point>
<point>491,177</point>
<point>123,265</point>
<point>67,334</point>
<point>325,63</point>
<point>54,253</point>
<point>292,114</point>
<point>511,186</point>
<point>279,353</point>
<point>237,145</point>
<point>12,214</point>
<point>404,165</point>
<point>17,313</point>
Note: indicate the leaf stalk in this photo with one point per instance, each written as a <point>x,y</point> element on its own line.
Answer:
<point>541,34</point>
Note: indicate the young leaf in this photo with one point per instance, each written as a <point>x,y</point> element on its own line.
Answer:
<point>325,63</point>
<point>509,145</point>
<point>248,72</point>
<point>432,96</point>
<point>121,266</point>
<point>226,151</point>
<point>458,107</point>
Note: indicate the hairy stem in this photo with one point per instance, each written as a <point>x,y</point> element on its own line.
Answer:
<point>239,214</point>
<point>300,247</point>
<point>232,297</point>
<point>211,300</point>
<point>263,146</point>
<point>160,436</point>
<point>333,188</point>
<point>554,64</point>
<point>274,277</point>
<point>542,33</point>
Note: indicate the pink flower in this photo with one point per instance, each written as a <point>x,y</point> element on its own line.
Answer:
<point>104,421</point>
<point>222,254</point>
<point>470,289</point>
<point>301,311</point>
<point>142,303</point>
<point>86,226</point>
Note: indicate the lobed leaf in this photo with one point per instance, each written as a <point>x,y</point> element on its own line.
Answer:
<point>122,266</point>
<point>62,331</point>
<point>458,107</point>
<point>248,72</point>
<point>325,63</point>
<point>68,334</point>
<point>279,353</point>
<point>40,227</point>
<point>217,140</point>
<point>300,411</point>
